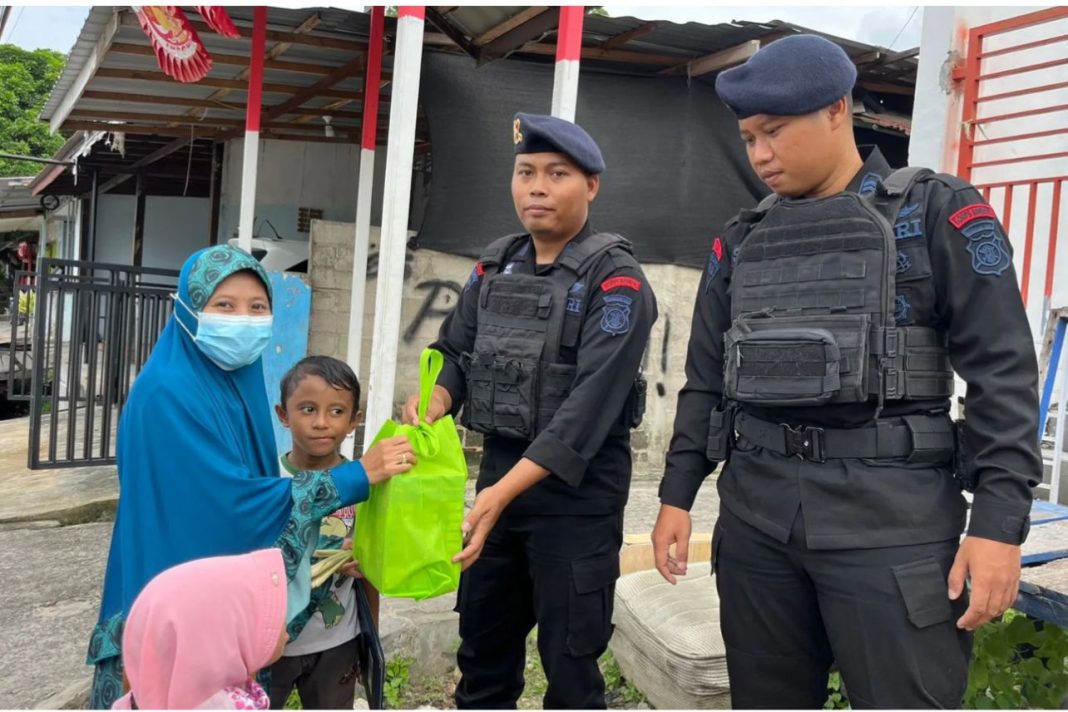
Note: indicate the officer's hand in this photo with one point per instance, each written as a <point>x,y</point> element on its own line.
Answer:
<point>994,569</point>
<point>672,527</point>
<point>389,457</point>
<point>478,524</point>
<point>440,404</point>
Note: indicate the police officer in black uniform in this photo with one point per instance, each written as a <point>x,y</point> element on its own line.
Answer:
<point>543,351</point>
<point>825,334</point>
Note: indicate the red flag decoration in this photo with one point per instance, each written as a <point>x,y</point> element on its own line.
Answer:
<point>218,20</point>
<point>179,50</point>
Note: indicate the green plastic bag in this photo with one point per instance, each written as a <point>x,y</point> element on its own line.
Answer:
<point>408,530</point>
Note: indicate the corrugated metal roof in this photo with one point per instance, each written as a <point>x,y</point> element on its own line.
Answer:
<point>77,57</point>
<point>15,194</point>
<point>129,68</point>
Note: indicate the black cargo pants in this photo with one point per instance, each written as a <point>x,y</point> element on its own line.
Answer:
<point>788,612</point>
<point>557,572</point>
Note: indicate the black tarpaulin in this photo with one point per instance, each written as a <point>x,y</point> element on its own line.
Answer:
<point>676,167</point>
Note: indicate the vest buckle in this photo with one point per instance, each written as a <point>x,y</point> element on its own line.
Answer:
<point>805,442</point>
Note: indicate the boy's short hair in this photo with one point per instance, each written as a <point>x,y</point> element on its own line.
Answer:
<point>334,371</point>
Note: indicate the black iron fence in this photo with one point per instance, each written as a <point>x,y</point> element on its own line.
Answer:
<point>92,330</point>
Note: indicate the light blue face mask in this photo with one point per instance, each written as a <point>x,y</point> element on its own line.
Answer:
<point>230,341</point>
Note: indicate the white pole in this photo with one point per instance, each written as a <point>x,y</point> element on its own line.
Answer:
<point>568,55</point>
<point>1058,436</point>
<point>250,161</point>
<point>404,102</point>
<point>364,192</point>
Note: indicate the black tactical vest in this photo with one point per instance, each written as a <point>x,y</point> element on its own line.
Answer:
<point>523,364</point>
<point>814,298</point>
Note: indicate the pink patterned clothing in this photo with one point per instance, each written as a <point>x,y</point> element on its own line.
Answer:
<point>249,697</point>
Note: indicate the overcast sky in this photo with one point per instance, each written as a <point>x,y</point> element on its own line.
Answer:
<point>57,27</point>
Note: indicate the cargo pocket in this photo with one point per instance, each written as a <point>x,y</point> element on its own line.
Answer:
<point>589,622</point>
<point>923,587</point>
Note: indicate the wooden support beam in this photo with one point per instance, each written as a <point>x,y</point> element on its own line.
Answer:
<point>886,88</point>
<point>176,131</point>
<point>451,31</point>
<point>508,25</point>
<point>165,119</point>
<point>309,24</point>
<point>157,155</point>
<point>215,193</point>
<point>127,97</point>
<point>295,37</point>
<point>212,82</point>
<point>232,59</point>
<point>716,61</point>
<point>139,221</point>
<point>624,37</point>
<point>351,68</point>
<point>530,31</point>
<point>609,55</point>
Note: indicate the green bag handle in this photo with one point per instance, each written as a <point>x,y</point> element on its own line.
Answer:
<point>423,437</point>
<point>430,364</point>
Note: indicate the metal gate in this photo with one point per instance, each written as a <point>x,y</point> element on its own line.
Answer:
<point>1014,139</point>
<point>93,328</point>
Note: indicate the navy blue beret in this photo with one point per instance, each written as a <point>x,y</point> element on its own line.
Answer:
<point>537,133</point>
<point>789,77</point>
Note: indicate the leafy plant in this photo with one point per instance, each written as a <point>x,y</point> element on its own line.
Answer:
<point>26,79</point>
<point>293,701</point>
<point>615,684</point>
<point>836,694</point>
<point>1018,663</point>
<point>398,677</point>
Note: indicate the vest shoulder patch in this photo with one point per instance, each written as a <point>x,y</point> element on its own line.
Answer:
<point>615,320</point>
<point>969,213</point>
<point>621,281</point>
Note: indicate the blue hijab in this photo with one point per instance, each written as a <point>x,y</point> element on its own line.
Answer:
<point>198,468</point>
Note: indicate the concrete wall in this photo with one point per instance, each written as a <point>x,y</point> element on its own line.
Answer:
<point>174,229</point>
<point>432,285</point>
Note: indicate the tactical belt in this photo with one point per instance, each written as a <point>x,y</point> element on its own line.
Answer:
<point>919,438</point>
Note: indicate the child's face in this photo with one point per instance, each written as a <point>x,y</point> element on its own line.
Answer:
<point>319,416</point>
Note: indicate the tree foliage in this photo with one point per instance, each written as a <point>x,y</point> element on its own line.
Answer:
<point>26,79</point>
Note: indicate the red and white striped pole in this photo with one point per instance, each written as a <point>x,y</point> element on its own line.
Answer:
<point>404,103</point>
<point>371,89</point>
<point>568,56</point>
<point>250,162</point>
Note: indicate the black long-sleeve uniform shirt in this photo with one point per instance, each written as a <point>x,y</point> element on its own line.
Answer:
<point>975,299</point>
<point>586,445</point>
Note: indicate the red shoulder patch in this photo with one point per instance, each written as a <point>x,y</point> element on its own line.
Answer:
<point>971,212</point>
<point>479,269</point>
<point>615,282</point>
<point>717,249</point>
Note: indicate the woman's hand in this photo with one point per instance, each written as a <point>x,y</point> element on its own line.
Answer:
<point>389,457</point>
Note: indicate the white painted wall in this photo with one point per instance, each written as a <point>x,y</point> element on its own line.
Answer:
<point>295,174</point>
<point>174,229</point>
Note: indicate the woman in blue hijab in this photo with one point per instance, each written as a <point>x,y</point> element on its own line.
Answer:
<point>197,461</point>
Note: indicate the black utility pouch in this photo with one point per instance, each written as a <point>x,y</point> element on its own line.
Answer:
<point>634,411</point>
<point>720,433</point>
